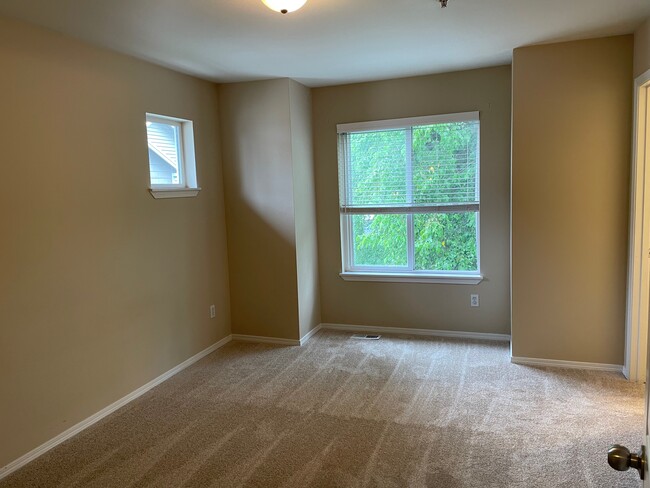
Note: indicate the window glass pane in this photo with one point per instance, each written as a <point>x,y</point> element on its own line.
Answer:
<point>445,163</point>
<point>379,240</point>
<point>435,163</point>
<point>377,167</point>
<point>164,153</point>
<point>445,241</point>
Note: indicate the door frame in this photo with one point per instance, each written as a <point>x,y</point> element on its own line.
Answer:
<point>638,278</point>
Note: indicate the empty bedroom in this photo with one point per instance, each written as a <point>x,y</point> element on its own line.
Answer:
<point>289,243</point>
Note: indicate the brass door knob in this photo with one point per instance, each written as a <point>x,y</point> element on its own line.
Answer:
<point>621,459</point>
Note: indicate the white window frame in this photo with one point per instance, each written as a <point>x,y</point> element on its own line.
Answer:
<point>406,273</point>
<point>187,185</point>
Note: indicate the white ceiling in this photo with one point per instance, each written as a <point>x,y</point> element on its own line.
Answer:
<point>327,42</point>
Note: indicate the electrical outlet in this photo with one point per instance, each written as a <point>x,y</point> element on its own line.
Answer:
<point>213,311</point>
<point>473,300</point>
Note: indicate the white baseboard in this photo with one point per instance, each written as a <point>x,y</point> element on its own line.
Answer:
<point>84,424</point>
<point>304,339</point>
<point>266,340</point>
<point>422,332</point>
<point>277,340</point>
<point>557,363</point>
<point>626,372</point>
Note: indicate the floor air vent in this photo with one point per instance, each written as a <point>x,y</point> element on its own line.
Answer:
<point>371,337</point>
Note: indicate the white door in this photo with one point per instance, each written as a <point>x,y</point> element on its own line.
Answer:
<point>646,478</point>
<point>637,341</point>
<point>620,457</point>
<point>644,458</point>
<point>638,286</point>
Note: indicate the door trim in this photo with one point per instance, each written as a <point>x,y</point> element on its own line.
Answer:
<point>638,276</point>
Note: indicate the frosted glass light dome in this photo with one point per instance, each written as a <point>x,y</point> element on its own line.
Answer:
<point>284,6</point>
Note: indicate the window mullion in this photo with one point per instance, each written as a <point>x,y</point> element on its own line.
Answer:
<point>350,240</point>
<point>410,244</point>
<point>410,240</point>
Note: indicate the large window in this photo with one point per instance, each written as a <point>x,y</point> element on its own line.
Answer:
<point>409,199</point>
<point>172,167</point>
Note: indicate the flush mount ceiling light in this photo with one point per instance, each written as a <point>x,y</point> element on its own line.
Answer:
<point>284,6</point>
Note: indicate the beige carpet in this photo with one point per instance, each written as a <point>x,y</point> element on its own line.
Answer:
<point>398,412</point>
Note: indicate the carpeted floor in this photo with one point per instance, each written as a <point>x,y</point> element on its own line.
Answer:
<point>399,412</point>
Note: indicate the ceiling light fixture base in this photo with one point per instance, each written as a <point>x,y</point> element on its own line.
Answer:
<point>284,6</point>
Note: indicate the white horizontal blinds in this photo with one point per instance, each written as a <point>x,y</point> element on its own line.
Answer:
<point>344,158</point>
<point>376,170</point>
<point>425,168</point>
<point>445,168</point>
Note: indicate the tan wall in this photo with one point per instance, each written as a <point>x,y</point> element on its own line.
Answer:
<point>305,207</point>
<point>642,49</point>
<point>256,134</point>
<point>426,306</point>
<point>268,172</point>
<point>570,174</point>
<point>102,287</point>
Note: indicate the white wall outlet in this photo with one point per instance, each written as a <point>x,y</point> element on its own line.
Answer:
<point>213,311</point>
<point>473,300</point>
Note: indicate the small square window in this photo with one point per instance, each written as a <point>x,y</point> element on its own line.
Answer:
<point>172,166</point>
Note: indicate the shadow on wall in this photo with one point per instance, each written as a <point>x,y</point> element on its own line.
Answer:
<point>263,283</point>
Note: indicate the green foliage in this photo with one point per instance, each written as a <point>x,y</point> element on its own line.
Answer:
<point>445,241</point>
<point>380,240</point>
<point>378,167</point>
<point>444,163</point>
<point>443,171</point>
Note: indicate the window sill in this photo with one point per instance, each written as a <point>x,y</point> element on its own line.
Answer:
<point>174,192</point>
<point>449,279</point>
